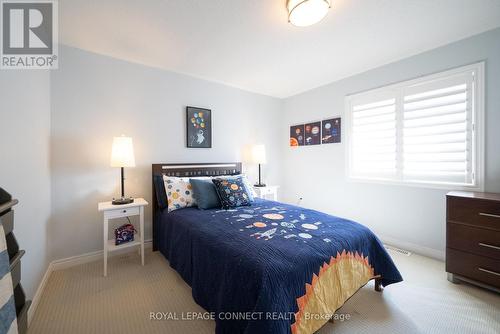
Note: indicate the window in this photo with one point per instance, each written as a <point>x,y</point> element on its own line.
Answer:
<point>426,131</point>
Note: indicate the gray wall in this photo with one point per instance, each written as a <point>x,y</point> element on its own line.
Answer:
<point>406,216</point>
<point>24,167</point>
<point>96,97</point>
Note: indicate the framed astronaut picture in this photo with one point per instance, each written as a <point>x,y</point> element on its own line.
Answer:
<point>198,127</point>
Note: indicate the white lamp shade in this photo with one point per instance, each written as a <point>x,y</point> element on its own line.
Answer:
<point>122,152</point>
<point>304,13</point>
<point>259,154</point>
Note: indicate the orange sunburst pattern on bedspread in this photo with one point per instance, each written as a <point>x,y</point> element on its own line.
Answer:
<point>336,282</point>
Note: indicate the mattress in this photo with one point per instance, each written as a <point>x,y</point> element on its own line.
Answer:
<point>271,267</point>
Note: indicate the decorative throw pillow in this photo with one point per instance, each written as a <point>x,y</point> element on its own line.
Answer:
<point>250,191</point>
<point>179,192</point>
<point>232,192</point>
<point>205,193</point>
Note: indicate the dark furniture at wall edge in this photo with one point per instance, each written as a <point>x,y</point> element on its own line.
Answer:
<point>473,238</point>
<point>15,255</point>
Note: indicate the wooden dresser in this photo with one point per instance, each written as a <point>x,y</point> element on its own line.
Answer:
<point>473,238</point>
<point>15,255</point>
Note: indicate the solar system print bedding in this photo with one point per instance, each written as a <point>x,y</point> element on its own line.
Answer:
<point>290,268</point>
<point>232,192</point>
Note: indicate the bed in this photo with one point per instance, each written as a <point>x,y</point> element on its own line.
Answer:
<point>269,267</point>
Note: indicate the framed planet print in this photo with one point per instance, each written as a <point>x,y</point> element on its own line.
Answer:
<point>330,131</point>
<point>312,133</point>
<point>297,135</point>
<point>198,127</point>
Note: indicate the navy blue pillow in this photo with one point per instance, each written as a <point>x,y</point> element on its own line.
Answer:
<point>247,184</point>
<point>232,192</point>
<point>205,193</point>
<point>161,196</point>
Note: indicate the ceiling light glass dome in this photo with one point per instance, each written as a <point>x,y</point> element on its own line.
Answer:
<point>304,13</point>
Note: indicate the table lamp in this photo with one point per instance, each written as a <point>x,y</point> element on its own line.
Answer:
<point>122,155</point>
<point>259,157</point>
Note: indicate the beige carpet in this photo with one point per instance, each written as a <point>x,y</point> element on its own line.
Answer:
<point>81,300</point>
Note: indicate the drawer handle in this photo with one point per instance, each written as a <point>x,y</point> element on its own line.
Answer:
<point>124,211</point>
<point>489,215</point>
<point>488,245</point>
<point>488,271</point>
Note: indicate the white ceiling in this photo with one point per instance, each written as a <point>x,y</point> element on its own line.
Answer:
<point>249,43</point>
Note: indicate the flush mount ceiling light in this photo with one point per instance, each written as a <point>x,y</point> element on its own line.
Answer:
<point>304,13</point>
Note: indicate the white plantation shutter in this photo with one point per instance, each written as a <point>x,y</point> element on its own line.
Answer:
<point>374,137</point>
<point>437,131</point>
<point>419,132</point>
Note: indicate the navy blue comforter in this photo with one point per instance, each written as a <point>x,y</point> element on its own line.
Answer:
<point>259,258</point>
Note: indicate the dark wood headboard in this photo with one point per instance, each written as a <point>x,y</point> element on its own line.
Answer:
<point>187,170</point>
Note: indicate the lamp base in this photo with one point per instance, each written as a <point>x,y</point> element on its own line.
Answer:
<point>122,200</point>
<point>259,185</point>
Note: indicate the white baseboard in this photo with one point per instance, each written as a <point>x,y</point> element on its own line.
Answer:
<point>414,248</point>
<point>71,262</point>
<point>89,257</point>
<point>38,293</point>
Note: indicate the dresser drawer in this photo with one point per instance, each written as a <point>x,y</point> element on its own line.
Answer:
<point>15,274</point>
<point>7,221</point>
<point>125,212</point>
<point>474,240</point>
<point>479,268</point>
<point>478,212</point>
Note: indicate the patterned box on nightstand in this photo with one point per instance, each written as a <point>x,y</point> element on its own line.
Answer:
<point>124,233</point>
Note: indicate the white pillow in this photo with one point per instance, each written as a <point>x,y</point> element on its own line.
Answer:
<point>179,192</point>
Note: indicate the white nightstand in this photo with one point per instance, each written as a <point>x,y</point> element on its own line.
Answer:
<point>121,211</point>
<point>267,191</point>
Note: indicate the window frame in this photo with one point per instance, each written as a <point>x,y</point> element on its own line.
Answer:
<point>478,133</point>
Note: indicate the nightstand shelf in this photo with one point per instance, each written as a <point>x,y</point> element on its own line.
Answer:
<point>111,211</point>
<point>112,247</point>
